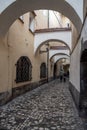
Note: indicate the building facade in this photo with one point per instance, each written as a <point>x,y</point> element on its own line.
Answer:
<point>17,46</point>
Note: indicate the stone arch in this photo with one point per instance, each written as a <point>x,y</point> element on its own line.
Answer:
<point>59,54</point>
<point>62,57</point>
<point>52,40</point>
<point>55,65</point>
<point>19,7</point>
<point>83,77</point>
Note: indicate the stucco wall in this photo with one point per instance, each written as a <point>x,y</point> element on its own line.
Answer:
<point>22,44</point>
<point>75,67</point>
<point>19,42</point>
<point>74,36</point>
<point>4,67</point>
<point>41,20</point>
<point>75,59</point>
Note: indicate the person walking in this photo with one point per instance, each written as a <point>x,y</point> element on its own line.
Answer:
<point>61,75</point>
<point>64,77</point>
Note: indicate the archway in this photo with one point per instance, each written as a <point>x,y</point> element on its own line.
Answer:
<point>53,40</point>
<point>83,78</point>
<point>64,54</point>
<point>63,67</point>
<point>58,57</point>
<point>54,71</point>
<point>19,7</point>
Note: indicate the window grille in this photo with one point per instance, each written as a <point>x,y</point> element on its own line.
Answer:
<point>23,70</point>
<point>43,70</point>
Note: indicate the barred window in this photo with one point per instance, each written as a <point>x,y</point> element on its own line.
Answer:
<point>43,70</point>
<point>23,70</point>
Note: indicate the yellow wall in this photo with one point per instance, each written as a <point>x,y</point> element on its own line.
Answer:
<point>4,66</point>
<point>41,20</point>
<point>19,42</point>
<point>74,36</point>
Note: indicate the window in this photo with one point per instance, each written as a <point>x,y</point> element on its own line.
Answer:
<point>21,18</point>
<point>23,70</point>
<point>43,70</point>
<point>32,21</point>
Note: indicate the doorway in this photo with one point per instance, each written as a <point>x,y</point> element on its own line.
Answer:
<point>83,81</point>
<point>55,71</point>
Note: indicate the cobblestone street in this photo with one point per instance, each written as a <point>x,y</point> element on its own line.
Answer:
<point>49,107</point>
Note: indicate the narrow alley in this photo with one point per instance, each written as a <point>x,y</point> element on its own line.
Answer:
<point>49,107</point>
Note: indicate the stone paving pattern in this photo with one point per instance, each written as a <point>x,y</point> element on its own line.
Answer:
<point>49,107</point>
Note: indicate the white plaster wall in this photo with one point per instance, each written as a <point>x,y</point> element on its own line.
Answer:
<point>75,59</point>
<point>57,57</point>
<point>64,36</point>
<point>84,31</point>
<point>54,52</point>
<point>78,6</point>
<point>75,66</point>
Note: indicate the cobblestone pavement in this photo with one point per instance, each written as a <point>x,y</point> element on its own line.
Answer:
<point>49,107</point>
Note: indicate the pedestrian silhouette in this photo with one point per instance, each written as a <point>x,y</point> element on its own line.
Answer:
<point>61,76</point>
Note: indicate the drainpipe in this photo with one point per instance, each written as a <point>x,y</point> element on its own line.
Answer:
<point>8,56</point>
<point>48,50</point>
<point>48,19</point>
<point>47,64</point>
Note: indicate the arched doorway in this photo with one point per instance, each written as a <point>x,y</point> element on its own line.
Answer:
<point>54,42</point>
<point>23,69</point>
<point>83,79</point>
<point>55,71</point>
<point>43,70</point>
